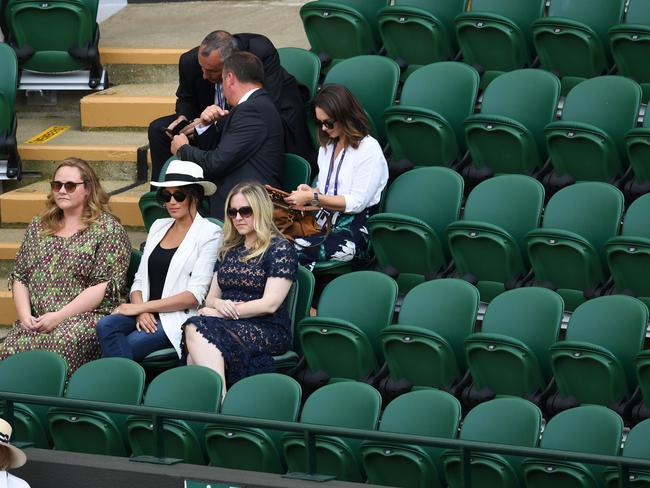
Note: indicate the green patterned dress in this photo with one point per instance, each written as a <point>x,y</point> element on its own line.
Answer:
<point>57,269</point>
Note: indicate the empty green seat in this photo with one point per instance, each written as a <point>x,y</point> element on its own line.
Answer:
<point>112,380</point>
<point>595,364</point>
<point>408,236</point>
<point>295,171</point>
<point>10,164</point>
<point>630,44</point>
<point>343,340</point>
<point>628,255</point>
<point>268,396</point>
<point>636,446</point>
<point>352,405</point>
<point>340,29</point>
<point>572,39</point>
<point>590,429</point>
<point>69,43</point>
<point>495,34</point>
<point>419,32</point>
<point>373,81</point>
<point>568,252</point>
<point>411,466</point>
<point>303,65</point>
<point>588,142</point>
<point>425,347</point>
<point>507,420</point>
<point>34,372</point>
<point>637,145</point>
<point>192,388</point>
<point>488,244</point>
<point>508,135</point>
<point>510,354</point>
<point>426,128</point>
<point>642,364</point>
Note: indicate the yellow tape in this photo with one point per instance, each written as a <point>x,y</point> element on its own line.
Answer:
<point>48,134</point>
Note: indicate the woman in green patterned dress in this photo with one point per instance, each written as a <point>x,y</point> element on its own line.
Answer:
<point>70,269</point>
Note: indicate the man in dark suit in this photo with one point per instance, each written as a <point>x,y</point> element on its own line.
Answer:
<point>200,86</point>
<point>243,143</point>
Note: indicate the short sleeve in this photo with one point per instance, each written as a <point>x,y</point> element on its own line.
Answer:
<point>26,254</point>
<point>111,262</point>
<point>282,260</point>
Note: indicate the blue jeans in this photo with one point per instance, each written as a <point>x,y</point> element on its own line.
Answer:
<point>119,338</point>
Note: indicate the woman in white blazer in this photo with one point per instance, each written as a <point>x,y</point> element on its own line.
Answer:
<point>174,274</point>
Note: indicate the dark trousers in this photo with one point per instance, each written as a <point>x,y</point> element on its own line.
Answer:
<point>159,144</point>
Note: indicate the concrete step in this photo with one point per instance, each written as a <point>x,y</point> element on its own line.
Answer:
<point>126,65</point>
<point>19,206</point>
<point>134,105</point>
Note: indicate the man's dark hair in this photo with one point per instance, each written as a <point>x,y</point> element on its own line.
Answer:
<point>246,67</point>
<point>221,41</point>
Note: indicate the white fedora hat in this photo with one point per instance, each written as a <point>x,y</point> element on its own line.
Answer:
<point>16,457</point>
<point>183,173</point>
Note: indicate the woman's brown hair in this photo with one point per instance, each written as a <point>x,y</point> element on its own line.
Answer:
<point>343,107</point>
<point>96,203</point>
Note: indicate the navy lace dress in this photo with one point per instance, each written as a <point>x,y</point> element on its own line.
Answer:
<point>248,345</point>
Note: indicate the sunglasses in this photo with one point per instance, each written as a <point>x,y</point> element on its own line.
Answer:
<point>70,186</point>
<point>244,212</point>
<point>328,123</point>
<point>166,196</point>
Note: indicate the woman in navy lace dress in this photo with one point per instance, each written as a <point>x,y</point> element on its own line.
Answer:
<point>245,321</point>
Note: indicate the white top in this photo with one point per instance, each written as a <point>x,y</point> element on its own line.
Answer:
<point>10,481</point>
<point>362,176</point>
<point>246,96</point>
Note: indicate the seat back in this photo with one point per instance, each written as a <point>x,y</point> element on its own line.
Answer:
<point>8,82</point>
<point>393,465</point>
<point>636,222</point>
<point>354,74</point>
<point>303,65</point>
<point>446,307</point>
<point>73,25</point>
<point>115,380</point>
<point>637,143</point>
<point>295,171</point>
<point>195,388</point>
<point>597,15</point>
<point>588,429</point>
<point>508,135</point>
<point>636,443</point>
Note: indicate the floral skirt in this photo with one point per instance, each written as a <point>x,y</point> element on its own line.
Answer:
<point>348,240</point>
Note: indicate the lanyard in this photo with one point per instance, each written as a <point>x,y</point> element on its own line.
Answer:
<point>338,170</point>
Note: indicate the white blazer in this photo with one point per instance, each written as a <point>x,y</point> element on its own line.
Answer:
<point>190,269</point>
<point>10,481</point>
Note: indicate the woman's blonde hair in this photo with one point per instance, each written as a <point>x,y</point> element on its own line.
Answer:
<point>96,204</point>
<point>5,458</point>
<point>265,229</point>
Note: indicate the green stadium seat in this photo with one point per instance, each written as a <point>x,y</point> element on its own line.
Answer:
<point>642,364</point>
<point>10,163</point>
<point>340,29</point>
<point>495,34</point>
<point>507,420</point>
<point>630,44</point>
<point>588,142</point>
<point>343,340</point>
<point>192,388</point>
<point>488,244</point>
<point>568,252</point>
<point>595,364</point>
<point>508,135</point>
<point>628,255</point>
<point>383,74</point>
<point>295,171</point>
<point>408,236</point>
<point>590,429</point>
<point>425,347</point>
<point>36,372</point>
<point>69,43</point>
<point>350,404</point>
<point>268,396</point>
<point>113,380</point>
<point>409,466</point>
<point>636,446</point>
<point>303,65</point>
<point>637,145</point>
<point>426,128</point>
<point>134,263</point>
<point>572,39</point>
<point>510,354</point>
<point>306,284</point>
<point>419,32</point>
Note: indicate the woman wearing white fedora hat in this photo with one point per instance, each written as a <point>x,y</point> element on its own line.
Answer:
<point>174,274</point>
<point>10,457</point>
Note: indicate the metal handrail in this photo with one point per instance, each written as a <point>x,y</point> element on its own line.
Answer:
<point>624,464</point>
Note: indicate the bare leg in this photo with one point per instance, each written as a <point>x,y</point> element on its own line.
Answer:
<point>200,351</point>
